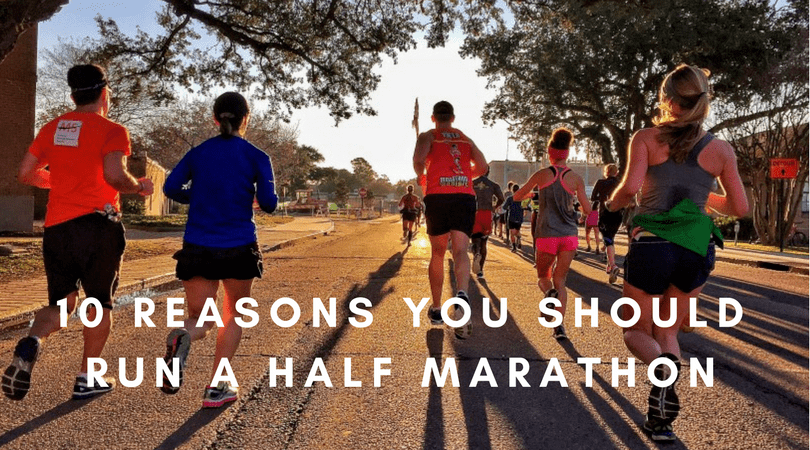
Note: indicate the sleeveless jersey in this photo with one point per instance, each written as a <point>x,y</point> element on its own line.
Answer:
<point>448,163</point>
<point>556,216</point>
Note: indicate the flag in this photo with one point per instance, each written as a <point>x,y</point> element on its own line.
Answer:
<point>415,122</point>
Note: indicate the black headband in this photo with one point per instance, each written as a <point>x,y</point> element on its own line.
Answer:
<point>90,88</point>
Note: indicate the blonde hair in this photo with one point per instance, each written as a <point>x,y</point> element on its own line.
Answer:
<point>688,87</point>
<point>610,170</point>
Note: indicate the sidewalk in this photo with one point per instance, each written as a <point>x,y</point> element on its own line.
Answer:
<point>787,262</point>
<point>20,299</point>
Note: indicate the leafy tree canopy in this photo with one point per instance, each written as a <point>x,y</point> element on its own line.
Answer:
<point>596,66</point>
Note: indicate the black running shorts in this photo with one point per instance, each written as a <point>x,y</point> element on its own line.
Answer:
<point>445,212</point>
<point>212,263</point>
<point>83,252</point>
<point>409,216</point>
<point>652,264</point>
<point>609,223</point>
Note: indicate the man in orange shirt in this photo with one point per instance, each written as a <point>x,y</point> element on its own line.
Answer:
<point>81,157</point>
<point>446,162</point>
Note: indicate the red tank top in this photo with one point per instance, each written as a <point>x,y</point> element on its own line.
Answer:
<point>448,163</point>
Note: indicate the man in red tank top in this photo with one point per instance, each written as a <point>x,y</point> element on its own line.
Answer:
<point>446,161</point>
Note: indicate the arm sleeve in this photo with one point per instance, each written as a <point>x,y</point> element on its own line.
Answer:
<point>265,184</point>
<point>117,141</point>
<point>179,177</point>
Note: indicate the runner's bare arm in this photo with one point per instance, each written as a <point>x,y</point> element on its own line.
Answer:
<point>526,190</point>
<point>637,163</point>
<point>479,161</point>
<point>582,196</point>
<point>117,176</point>
<point>420,156</point>
<point>735,202</point>
<point>32,172</point>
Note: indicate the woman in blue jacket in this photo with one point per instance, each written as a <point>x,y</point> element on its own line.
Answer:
<point>219,180</point>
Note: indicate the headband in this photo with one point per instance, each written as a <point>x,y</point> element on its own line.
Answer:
<point>90,88</point>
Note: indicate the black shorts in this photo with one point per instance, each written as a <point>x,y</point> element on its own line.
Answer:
<point>652,264</point>
<point>212,263</point>
<point>409,216</point>
<point>502,218</point>
<point>83,252</point>
<point>515,225</point>
<point>445,212</point>
<point>609,223</point>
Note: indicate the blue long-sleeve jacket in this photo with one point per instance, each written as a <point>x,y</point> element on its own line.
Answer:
<point>218,180</point>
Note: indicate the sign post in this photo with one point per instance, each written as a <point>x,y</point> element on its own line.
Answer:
<point>781,169</point>
<point>362,193</point>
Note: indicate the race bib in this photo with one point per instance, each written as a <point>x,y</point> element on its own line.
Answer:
<point>67,133</point>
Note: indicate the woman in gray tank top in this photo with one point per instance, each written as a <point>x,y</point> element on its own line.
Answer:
<point>556,228</point>
<point>676,161</point>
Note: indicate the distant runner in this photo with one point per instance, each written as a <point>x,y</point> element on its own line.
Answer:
<point>609,222</point>
<point>514,218</point>
<point>488,197</point>
<point>409,206</point>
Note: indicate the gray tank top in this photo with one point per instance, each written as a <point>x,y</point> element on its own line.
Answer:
<point>556,216</point>
<point>666,184</point>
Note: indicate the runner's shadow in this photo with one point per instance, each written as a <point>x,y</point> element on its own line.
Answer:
<point>434,419</point>
<point>195,423</point>
<point>55,413</point>
<point>548,417</point>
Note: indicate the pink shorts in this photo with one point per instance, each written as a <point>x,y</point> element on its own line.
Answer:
<point>555,245</point>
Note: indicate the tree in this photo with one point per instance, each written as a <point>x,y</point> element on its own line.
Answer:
<point>292,53</point>
<point>363,172</point>
<point>341,193</point>
<point>17,16</point>
<point>596,66</point>
<point>779,130</point>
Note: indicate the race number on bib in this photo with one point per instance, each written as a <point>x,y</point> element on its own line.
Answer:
<point>67,133</point>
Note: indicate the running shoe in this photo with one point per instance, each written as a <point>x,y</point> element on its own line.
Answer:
<point>435,315</point>
<point>614,274</point>
<point>17,377</point>
<point>552,293</point>
<point>464,331</point>
<point>222,393</point>
<point>559,333</point>
<point>664,404</point>
<point>476,266</point>
<point>589,249</point>
<point>178,343</point>
<point>519,245</point>
<point>82,389</point>
<point>659,431</point>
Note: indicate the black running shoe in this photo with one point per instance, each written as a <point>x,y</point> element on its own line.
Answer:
<point>82,389</point>
<point>464,331</point>
<point>17,377</point>
<point>178,343</point>
<point>664,404</point>
<point>435,315</point>
<point>659,431</point>
<point>559,333</point>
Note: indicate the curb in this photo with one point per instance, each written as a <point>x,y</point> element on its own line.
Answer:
<point>163,282</point>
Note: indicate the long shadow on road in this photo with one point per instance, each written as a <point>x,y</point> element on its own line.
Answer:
<point>63,409</point>
<point>548,417</point>
<point>734,365</point>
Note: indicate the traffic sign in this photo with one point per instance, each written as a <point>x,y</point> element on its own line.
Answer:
<point>363,192</point>
<point>784,167</point>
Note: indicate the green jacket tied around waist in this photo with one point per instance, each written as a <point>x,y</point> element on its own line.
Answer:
<point>683,225</point>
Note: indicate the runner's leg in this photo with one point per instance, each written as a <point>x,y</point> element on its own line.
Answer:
<point>438,247</point>
<point>229,336</point>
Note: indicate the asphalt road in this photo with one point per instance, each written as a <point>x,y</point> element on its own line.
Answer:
<point>759,398</point>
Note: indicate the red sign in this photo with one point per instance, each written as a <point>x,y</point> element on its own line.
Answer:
<point>784,167</point>
<point>363,192</point>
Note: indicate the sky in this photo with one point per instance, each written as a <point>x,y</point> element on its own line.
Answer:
<point>387,140</point>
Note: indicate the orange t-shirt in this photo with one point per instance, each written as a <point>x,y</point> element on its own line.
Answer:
<point>74,146</point>
<point>448,163</point>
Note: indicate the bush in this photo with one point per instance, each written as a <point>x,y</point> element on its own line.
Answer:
<point>134,207</point>
<point>726,226</point>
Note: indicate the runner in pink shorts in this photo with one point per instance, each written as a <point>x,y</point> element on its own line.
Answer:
<point>556,227</point>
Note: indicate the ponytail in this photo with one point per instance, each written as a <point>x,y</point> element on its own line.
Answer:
<point>687,87</point>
